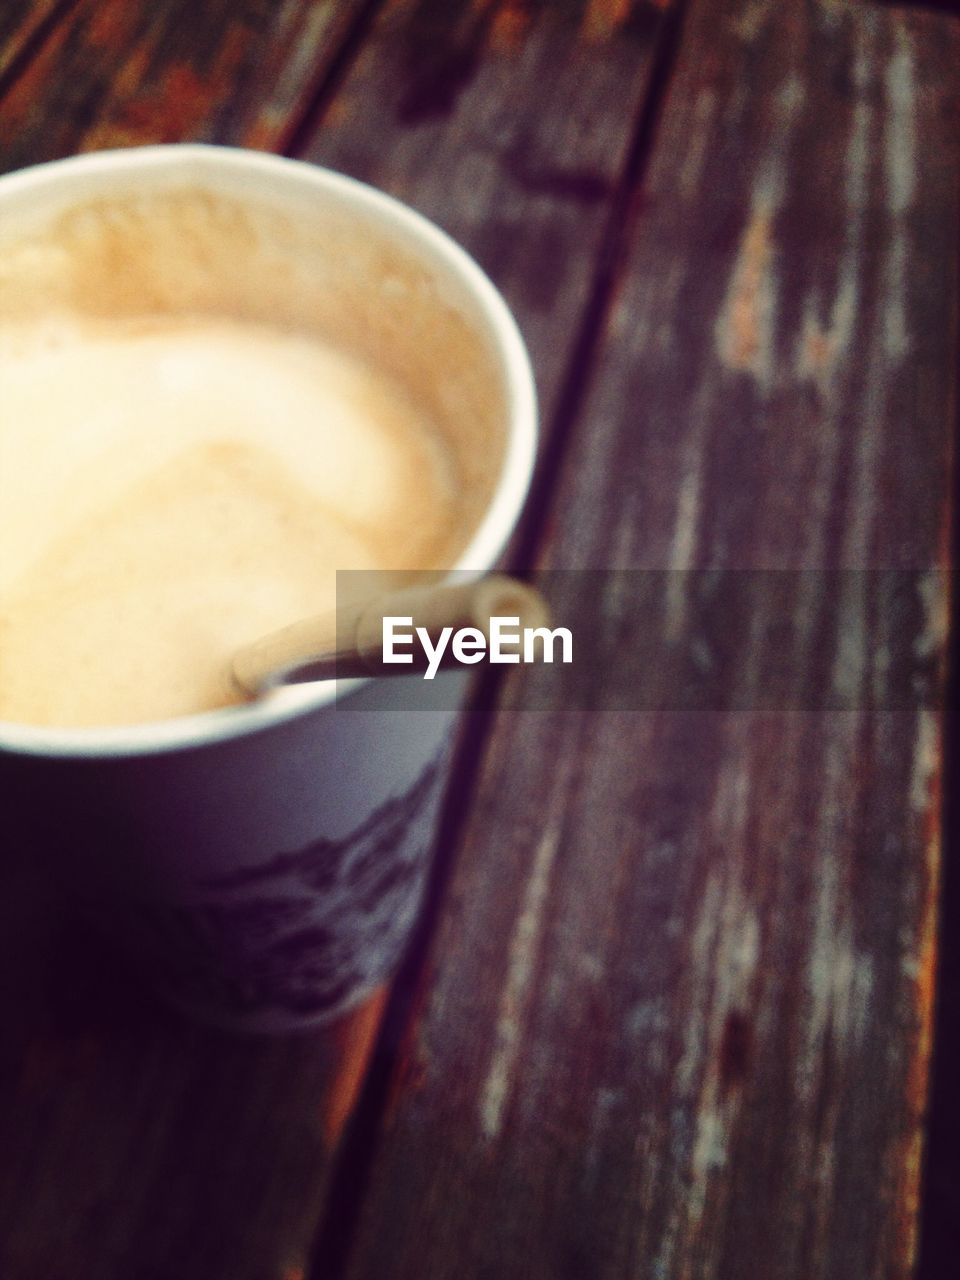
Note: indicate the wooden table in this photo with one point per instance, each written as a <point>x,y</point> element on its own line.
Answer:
<point>669,1012</point>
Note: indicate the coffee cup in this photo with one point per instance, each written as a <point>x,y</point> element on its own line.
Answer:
<point>265,860</point>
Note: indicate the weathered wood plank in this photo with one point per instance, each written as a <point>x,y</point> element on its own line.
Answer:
<point>238,1133</point>
<point>23,21</point>
<point>676,1021</point>
<point>135,1144</point>
<point>509,125</point>
<point>117,74</point>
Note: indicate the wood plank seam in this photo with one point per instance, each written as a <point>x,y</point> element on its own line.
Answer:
<point>855,834</point>
<point>297,1098</point>
<point>331,1251</point>
<point>318,98</point>
<point>614,247</point>
<point>113,74</point>
<point>33,44</point>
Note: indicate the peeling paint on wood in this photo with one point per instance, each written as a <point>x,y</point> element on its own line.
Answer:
<point>756,1077</point>
<point>745,328</point>
<point>520,972</point>
<point>900,150</point>
<point>116,74</point>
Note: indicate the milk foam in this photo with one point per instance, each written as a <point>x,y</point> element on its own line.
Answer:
<point>172,489</point>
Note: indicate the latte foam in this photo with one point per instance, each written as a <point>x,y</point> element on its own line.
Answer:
<point>172,488</point>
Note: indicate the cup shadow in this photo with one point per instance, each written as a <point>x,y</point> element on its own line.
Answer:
<point>134,1138</point>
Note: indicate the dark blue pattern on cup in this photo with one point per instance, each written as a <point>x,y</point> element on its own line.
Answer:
<point>307,932</point>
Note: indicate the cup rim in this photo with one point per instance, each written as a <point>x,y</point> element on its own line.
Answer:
<point>489,538</point>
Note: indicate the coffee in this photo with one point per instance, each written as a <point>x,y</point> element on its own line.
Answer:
<point>186,458</point>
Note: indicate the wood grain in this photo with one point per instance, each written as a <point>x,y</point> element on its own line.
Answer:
<point>136,1144</point>
<point>23,24</point>
<point>676,1020</point>
<point>119,74</point>
<point>510,125</point>
<point>155,1148</point>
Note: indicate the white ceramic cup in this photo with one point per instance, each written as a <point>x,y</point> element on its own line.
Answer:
<point>268,859</point>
